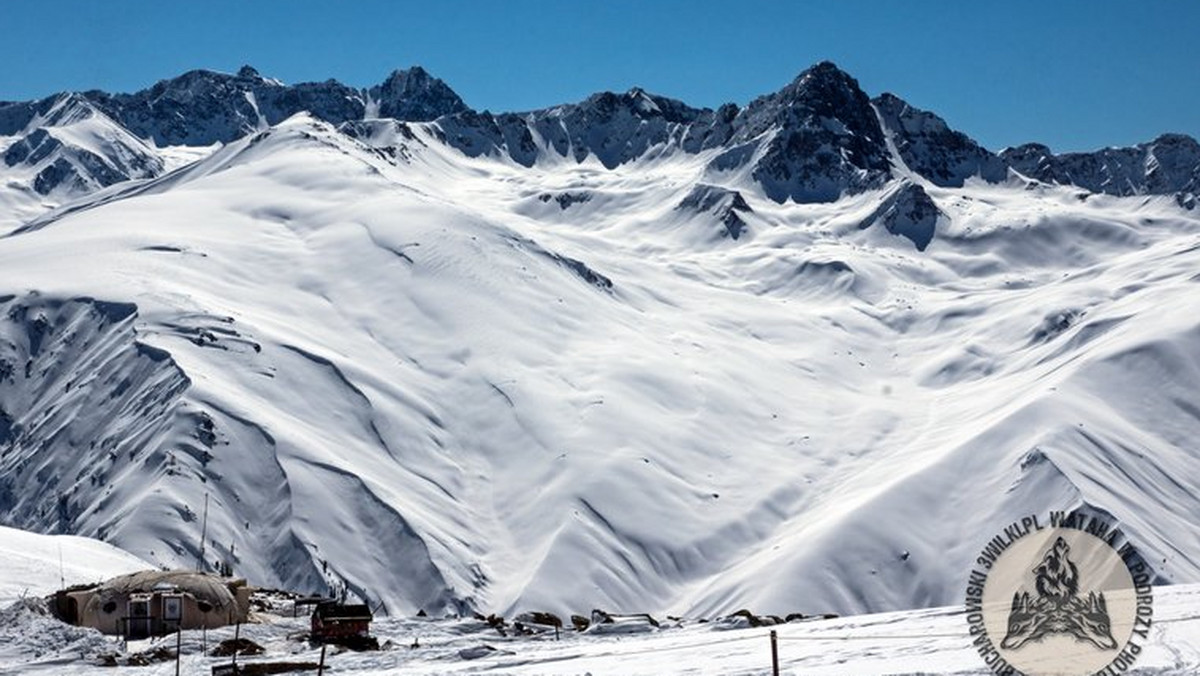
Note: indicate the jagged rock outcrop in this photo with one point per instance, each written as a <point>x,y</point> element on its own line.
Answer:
<point>726,205</point>
<point>615,128</point>
<point>203,107</point>
<point>812,141</point>
<point>909,212</point>
<point>414,95</point>
<point>820,138</point>
<point>929,147</point>
<point>72,148</point>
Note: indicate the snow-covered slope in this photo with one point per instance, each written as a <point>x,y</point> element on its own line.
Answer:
<point>805,356</point>
<point>36,565</point>
<point>424,381</point>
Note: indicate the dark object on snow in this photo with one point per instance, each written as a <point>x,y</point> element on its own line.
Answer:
<point>239,646</point>
<point>262,668</point>
<point>481,650</point>
<point>543,618</point>
<point>148,657</point>
<point>757,620</point>
<point>346,625</point>
<point>602,617</point>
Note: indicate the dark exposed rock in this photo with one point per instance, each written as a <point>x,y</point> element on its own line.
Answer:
<point>908,212</point>
<point>602,617</point>
<point>566,199</point>
<point>725,204</point>
<point>415,95</point>
<point>825,141</point>
<point>62,163</point>
<point>538,617</point>
<point>202,107</point>
<point>932,149</point>
<point>1168,165</point>
<point>757,620</point>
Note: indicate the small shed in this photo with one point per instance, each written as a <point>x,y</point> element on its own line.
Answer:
<point>334,622</point>
<point>156,602</point>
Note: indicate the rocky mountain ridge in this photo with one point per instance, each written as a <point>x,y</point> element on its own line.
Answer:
<point>816,139</point>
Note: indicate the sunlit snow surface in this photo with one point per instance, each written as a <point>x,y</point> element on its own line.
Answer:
<point>428,377</point>
<point>36,565</point>
<point>930,641</point>
<point>924,642</point>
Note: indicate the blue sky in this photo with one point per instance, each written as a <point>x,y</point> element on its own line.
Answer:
<point>1074,74</point>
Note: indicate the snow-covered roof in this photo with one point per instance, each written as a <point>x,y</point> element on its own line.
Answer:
<point>203,586</point>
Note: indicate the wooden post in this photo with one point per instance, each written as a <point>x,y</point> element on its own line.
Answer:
<point>237,633</point>
<point>774,653</point>
<point>178,648</point>
<point>321,665</point>
<point>200,564</point>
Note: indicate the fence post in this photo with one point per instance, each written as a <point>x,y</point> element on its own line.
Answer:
<point>237,634</point>
<point>321,666</point>
<point>774,653</point>
<point>178,647</point>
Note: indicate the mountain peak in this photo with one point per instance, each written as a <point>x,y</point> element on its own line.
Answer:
<point>825,69</point>
<point>826,91</point>
<point>823,76</point>
<point>248,72</point>
<point>1176,139</point>
<point>931,148</point>
<point>413,94</point>
<point>827,137</point>
<point>413,79</point>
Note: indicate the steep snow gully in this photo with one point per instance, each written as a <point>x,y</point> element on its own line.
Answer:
<point>804,355</point>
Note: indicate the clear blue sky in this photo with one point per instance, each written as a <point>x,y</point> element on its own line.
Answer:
<point>1076,74</point>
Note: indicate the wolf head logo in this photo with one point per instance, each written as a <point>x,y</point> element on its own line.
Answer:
<point>1058,609</point>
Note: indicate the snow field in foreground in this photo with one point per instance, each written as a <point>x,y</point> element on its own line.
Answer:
<point>930,642</point>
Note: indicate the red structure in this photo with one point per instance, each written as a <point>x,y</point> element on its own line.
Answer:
<point>348,625</point>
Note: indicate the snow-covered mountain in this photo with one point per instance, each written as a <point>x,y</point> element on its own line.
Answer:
<point>66,149</point>
<point>1170,164</point>
<point>805,355</point>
